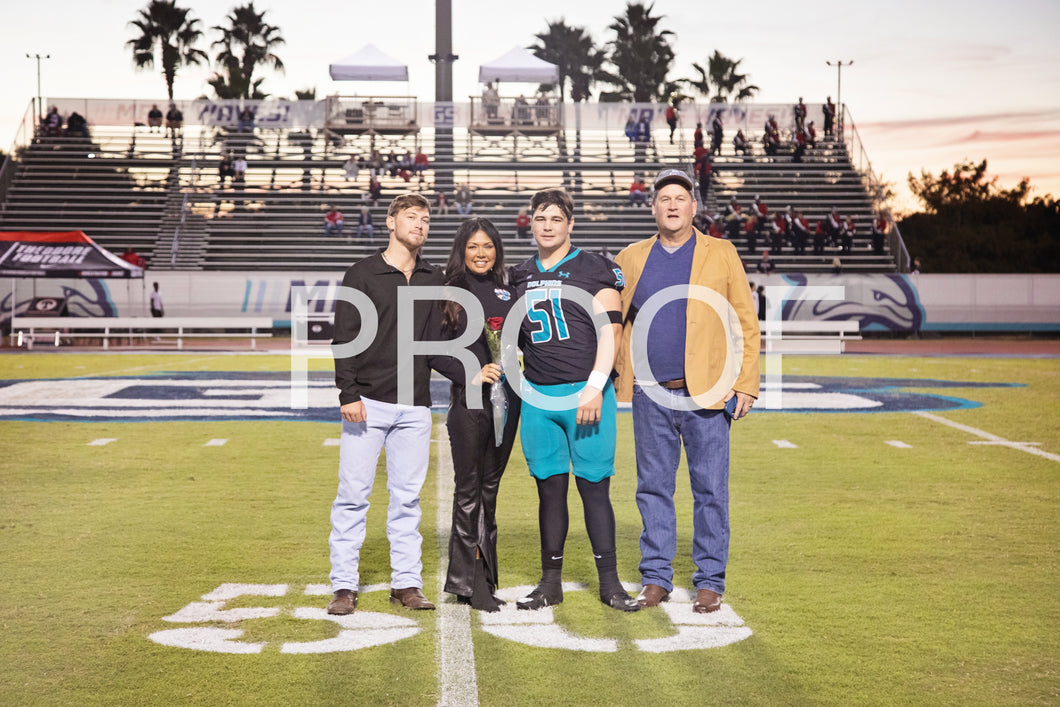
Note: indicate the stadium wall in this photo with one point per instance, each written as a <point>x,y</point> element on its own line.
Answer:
<point>882,302</point>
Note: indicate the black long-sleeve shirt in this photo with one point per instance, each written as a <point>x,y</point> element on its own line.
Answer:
<point>373,372</point>
<point>496,301</point>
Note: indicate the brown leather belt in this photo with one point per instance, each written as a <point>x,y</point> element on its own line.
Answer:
<point>676,384</point>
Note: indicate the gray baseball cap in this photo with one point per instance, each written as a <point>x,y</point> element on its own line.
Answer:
<point>673,176</point>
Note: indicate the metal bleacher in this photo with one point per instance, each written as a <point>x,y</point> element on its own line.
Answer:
<point>163,197</point>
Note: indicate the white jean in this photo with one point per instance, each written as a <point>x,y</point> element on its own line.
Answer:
<point>405,432</point>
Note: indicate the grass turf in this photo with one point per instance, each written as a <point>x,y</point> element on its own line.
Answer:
<point>869,574</point>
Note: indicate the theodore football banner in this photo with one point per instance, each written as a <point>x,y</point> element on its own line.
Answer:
<point>67,254</point>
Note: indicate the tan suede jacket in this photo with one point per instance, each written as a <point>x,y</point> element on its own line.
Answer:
<point>710,353</point>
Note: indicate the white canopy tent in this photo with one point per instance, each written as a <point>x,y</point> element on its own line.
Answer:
<point>519,65</point>
<point>369,64</point>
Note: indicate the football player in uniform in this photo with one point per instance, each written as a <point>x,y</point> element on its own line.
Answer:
<point>569,403</point>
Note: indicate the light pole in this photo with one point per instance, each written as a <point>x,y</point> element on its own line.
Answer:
<point>839,93</point>
<point>38,57</point>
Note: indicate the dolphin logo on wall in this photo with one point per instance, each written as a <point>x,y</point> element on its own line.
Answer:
<point>877,302</point>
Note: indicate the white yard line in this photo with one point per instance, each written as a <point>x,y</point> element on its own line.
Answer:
<point>1000,441</point>
<point>457,684</point>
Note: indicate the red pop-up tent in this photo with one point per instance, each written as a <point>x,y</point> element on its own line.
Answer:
<point>53,255</point>
<point>69,254</point>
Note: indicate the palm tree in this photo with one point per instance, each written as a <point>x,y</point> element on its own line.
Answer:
<point>641,56</point>
<point>722,75</point>
<point>247,42</point>
<point>576,55</point>
<point>171,32</point>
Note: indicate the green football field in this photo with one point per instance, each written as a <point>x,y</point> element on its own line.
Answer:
<point>907,555</point>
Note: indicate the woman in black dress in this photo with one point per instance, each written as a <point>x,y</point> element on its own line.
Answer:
<point>476,264</point>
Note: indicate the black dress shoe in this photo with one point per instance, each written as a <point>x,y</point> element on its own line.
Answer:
<point>343,602</point>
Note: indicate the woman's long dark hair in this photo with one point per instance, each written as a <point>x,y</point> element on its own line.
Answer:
<point>456,270</point>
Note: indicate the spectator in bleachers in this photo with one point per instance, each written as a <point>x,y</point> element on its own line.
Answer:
<point>672,114</point>
<point>352,168</point>
<point>522,224</point>
<point>880,227</point>
<point>392,165</point>
<point>644,130</point>
<point>800,114</point>
<point>780,230</point>
<point>820,236</point>
<point>491,102</point>
<point>701,220</point>
<point>714,229</point>
<point>333,222</point>
<point>375,163</point>
<point>750,229</point>
<point>441,202</point>
<point>364,223</point>
<point>765,265</point>
<point>697,136</point>
<point>800,233</point>
<point>76,125</point>
<point>420,163</point>
<point>52,124</point>
<point>246,120</point>
<point>543,109</point>
<point>837,266</point>
<point>704,170</point>
<point>847,233</point>
<point>463,199</point>
<point>133,258</point>
<point>225,170</point>
<point>829,117</point>
<point>154,118</point>
<point>521,111</point>
<point>733,218</point>
<point>740,144</point>
<point>834,224</point>
<point>811,134</point>
<point>638,192</point>
<point>716,135</point>
<point>375,190</point>
<point>761,303</point>
<point>799,145</point>
<point>174,120</point>
<point>631,129</point>
<point>239,170</point>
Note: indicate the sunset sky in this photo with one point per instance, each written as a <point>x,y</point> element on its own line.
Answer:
<point>933,82</point>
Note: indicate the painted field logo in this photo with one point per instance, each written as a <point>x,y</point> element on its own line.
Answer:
<point>361,629</point>
<point>364,629</point>
<point>539,628</point>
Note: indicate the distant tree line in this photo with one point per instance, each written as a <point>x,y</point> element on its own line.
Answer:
<point>971,225</point>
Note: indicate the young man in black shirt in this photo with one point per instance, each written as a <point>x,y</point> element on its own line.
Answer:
<point>374,413</point>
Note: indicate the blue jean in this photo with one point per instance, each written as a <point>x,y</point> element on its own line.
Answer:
<point>658,434</point>
<point>405,432</point>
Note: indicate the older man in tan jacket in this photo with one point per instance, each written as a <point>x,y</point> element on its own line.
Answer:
<point>689,363</point>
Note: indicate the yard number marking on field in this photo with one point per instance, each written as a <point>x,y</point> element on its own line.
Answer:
<point>457,682</point>
<point>785,444</point>
<point>1028,447</point>
<point>899,444</point>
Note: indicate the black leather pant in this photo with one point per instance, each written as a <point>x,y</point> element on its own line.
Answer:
<point>478,465</point>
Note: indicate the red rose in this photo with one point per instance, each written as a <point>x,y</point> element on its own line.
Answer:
<point>495,323</point>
